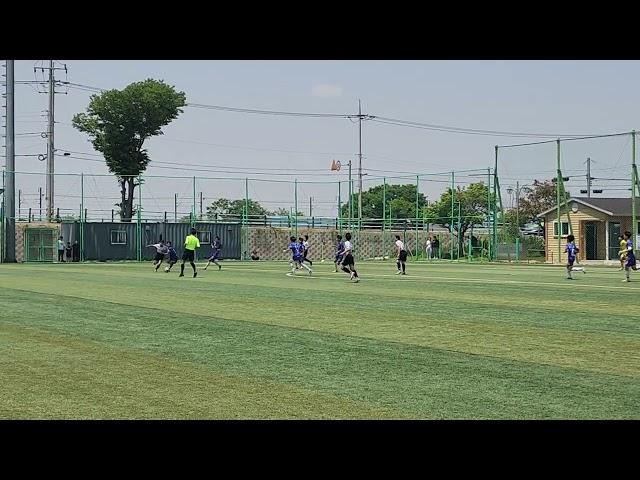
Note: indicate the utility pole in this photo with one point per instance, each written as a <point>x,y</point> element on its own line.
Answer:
<point>359,165</point>
<point>589,178</point>
<point>19,202</point>
<point>49,187</point>
<point>40,201</point>
<point>311,206</point>
<point>10,186</point>
<point>50,151</point>
<point>175,208</point>
<point>200,205</point>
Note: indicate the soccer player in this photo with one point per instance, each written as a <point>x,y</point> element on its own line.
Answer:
<point>401,254</point>
<point>296,256</point>
<point>631,257</point>
<point>161,251</point>
<point>215,253</point>
<point>348,263</point>
<point>173,256</point>
<point>305,244</point>
<point>339,255</point>
<point>190,245</point>
<point>572,251</point>
<point>622,253</point>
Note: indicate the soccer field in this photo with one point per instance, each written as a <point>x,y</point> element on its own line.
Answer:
<point>447,341</point>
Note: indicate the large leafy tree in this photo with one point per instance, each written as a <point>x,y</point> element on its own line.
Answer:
<point>119,121</point>
<point>224,206</point>
<point>400,200</point>
<point>537,198</point>
<point>473,209</point>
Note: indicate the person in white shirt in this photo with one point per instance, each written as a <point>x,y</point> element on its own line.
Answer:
<point>348,263</point>
<point>429,248</point>
<point>60,250</point>
<point>401,255</point>
<point>306,250</point>
<point>161,251</point>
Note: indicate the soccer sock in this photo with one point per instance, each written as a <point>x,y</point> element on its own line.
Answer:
<point>568,272</point>
<point>404,266</point>
<point>398,265</point>
<point>355,274</point>
<point>626,272</point>
<point>182,269</point>
<point>308,269</point>
<point>193,265</point>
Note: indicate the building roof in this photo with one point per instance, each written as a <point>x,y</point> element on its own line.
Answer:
<point>614,207</point>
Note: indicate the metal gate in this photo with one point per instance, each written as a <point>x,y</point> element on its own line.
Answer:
<point>40,244</point>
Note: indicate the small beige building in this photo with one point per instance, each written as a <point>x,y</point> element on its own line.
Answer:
<point>596,224</point>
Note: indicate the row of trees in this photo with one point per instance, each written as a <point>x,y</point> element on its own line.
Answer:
<point>119,121</point>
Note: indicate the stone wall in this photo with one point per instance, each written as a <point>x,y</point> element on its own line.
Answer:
<point>270,242</point>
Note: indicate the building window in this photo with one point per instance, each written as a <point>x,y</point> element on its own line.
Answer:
<point>118,237</point>
<point>204,237</point>
<point>565,229</point>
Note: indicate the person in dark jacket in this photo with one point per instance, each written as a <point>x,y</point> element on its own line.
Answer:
<point>75,251</point>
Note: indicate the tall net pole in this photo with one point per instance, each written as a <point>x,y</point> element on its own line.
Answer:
<point>451,222</point>
<point>558,185</point>
<point>417,217</point>
<point>490,249</point>
<point>634,180</point>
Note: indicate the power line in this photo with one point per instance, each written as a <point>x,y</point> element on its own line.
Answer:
<point>380,119</point>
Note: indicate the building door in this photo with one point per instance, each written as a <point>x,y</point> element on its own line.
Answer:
<point>614,243</point>
<point>40,244</point>
<point>591,240</point>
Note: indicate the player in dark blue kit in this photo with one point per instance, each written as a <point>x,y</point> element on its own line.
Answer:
<point>572,251</point>
<point>339,249</point>
<point>173,257</point>
<point>215,253</point>
<point>297,255</point>
<point>631,257</point>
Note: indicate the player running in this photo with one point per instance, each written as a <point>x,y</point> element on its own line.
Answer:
<point>348,263</point>
<point>339,255</point>
<point>305,244</point>
<point>215,253</point>
<point>296,256</point>
<point>173,257</point>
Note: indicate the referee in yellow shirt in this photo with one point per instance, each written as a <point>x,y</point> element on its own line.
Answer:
<point>190,245</point>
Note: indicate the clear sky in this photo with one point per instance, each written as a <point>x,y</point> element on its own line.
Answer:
<point>555,97</point>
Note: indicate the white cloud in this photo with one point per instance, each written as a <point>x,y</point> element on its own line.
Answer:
<point>326,90</point>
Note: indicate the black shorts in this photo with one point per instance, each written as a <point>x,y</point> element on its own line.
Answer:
<point>188,255</point>
<point>349,261</point>
<point>403,256</point>
<point>159,257</point>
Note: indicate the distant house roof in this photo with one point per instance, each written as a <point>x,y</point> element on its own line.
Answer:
<point>615,207</point>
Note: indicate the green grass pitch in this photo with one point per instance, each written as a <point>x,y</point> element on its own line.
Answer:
<point>447,341</point>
